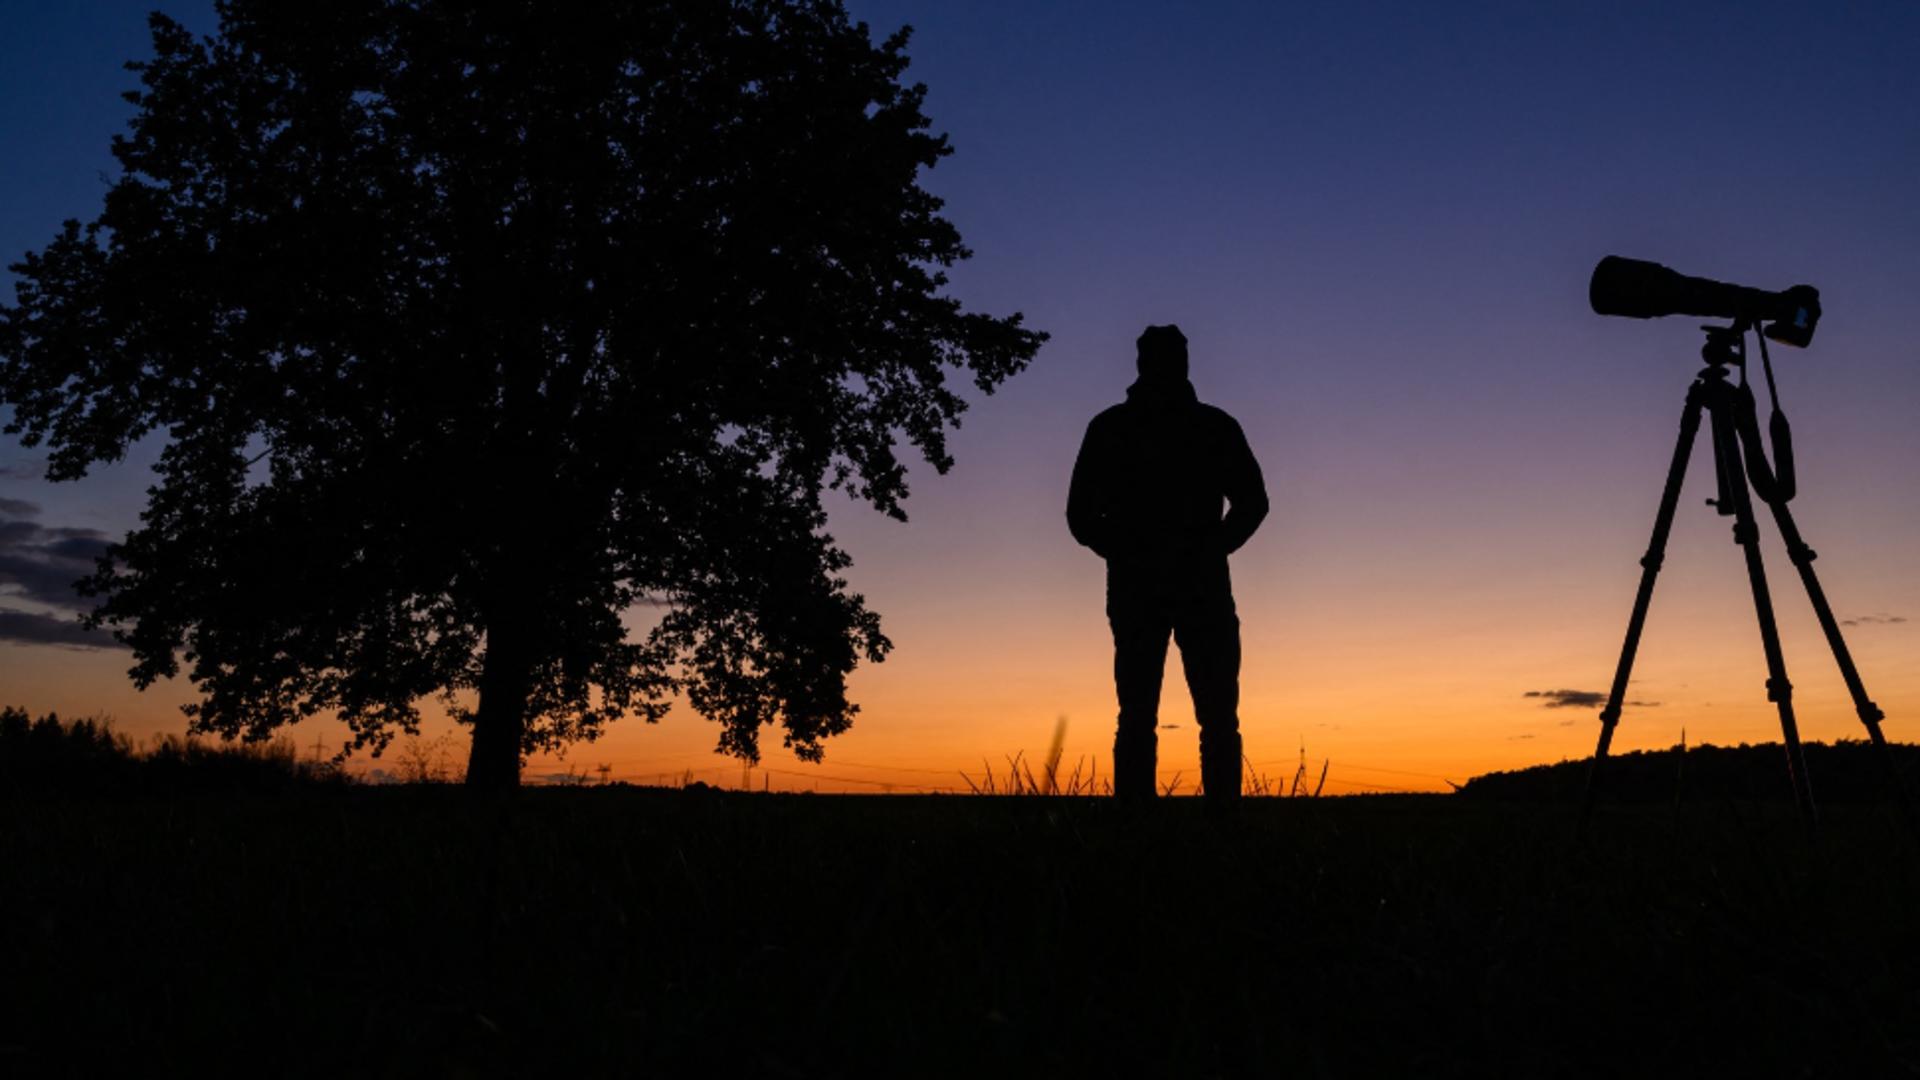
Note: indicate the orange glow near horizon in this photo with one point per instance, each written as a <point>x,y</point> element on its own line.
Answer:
<point>1377,235</point>
<point>1397,684</point>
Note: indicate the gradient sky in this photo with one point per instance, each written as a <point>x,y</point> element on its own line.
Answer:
<point>1375,223</point>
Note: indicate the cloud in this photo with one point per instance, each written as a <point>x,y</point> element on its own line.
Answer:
<point>1578,699</point>
<point>1568,699</point>
<point>40,563</point>
<point>25,470</point>
<point>27,628</point>
<point>1881,619</point>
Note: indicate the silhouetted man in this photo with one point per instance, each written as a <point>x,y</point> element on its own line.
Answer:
<point>1147,493</point>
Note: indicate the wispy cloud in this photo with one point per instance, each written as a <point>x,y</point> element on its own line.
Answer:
<point>1578,699</point>
<point>41,563</point>
<point>1881,619</point>
<point>1568,699</point>
<point>28,628</point>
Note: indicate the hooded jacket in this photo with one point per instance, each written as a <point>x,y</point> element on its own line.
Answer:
<point>1154,474</point>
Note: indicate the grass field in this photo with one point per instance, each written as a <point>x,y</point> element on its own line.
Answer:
<point>408,931</point>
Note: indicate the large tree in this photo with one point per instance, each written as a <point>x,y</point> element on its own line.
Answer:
<point>501,352</point>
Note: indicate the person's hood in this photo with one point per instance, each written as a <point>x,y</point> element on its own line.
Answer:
<point>1161,393</point>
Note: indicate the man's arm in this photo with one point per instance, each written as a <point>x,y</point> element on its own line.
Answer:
<point>1087,492</point>
<point>1245,488</point>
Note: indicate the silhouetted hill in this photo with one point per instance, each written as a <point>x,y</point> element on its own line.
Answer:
<point>1846,771</point>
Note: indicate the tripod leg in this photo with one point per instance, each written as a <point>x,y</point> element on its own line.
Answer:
<point>1746,533</point>
<point>1649,571</point>
<point>1802,557</point>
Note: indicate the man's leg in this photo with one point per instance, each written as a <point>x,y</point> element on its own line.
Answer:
<point>1140,631</point>
<point>1208,632</point>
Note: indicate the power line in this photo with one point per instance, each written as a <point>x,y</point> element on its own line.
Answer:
<point>847,779</point>
<point>1359,768</point>
<point>895,768</point>
<point>1374,787</point>
<point>1397,772</point>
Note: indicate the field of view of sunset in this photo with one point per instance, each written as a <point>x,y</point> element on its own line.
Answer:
<point>1375,225</point>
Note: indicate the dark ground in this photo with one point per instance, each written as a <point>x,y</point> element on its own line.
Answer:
<point>406,931</point>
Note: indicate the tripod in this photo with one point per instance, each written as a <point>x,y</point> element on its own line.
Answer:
<point>1729,408</point>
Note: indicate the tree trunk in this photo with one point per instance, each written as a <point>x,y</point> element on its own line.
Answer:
<point>499,723</point>
<point>511,595</point>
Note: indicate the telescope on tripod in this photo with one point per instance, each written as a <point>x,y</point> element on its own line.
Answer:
<point>1741,471</point>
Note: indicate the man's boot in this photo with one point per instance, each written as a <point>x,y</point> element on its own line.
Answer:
<point>1134,750</point>
<point>1220,768</point>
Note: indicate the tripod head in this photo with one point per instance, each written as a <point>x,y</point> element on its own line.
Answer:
<point>1736,427</point>
<point>1726,346</point>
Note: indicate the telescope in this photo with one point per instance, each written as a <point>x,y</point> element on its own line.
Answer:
<point>1742,476</point>
<point>1646,290</point>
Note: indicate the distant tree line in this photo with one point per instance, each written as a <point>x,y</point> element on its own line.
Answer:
<point>86,756</point>
<point>1846,771</point>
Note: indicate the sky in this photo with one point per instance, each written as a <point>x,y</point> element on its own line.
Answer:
<point>1375,224</point>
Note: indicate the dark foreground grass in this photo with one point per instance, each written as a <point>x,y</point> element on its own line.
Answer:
<point>407,932</point>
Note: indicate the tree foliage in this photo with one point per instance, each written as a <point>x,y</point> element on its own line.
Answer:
<point>504,355</point>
